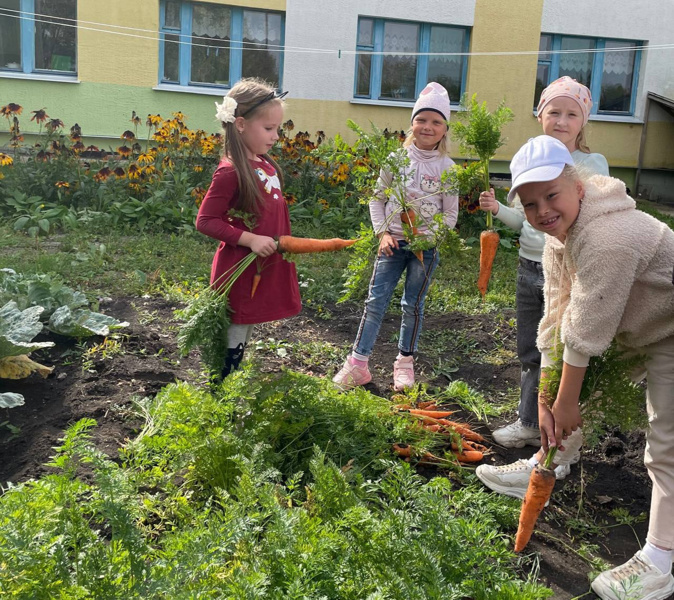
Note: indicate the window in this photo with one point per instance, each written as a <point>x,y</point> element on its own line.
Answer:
<point>609,68</point>
<point>216,45</point>
<point>407,62</point>
<point>38,36</point>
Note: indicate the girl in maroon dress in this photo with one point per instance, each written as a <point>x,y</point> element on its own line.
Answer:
<point>245,209</point>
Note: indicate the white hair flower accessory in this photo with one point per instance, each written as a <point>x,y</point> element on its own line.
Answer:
<point>225,111</point>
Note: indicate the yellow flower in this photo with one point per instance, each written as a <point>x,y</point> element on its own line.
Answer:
<point>62,184</point>
<point>5,160</point>
<point>134,172</point>
<point>145,159</point>
<point>149,170</point>
<point>153,120</point>
<point>198,169</point>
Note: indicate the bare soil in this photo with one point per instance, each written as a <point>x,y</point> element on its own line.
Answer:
<point>608,477</point>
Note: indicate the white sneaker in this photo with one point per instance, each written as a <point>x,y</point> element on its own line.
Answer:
<point>517,435</point>
<point>637,579</point>
<point>513,479</point>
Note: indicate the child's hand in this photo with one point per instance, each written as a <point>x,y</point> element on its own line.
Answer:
<point>386,244</point>
<point>262,245</point>
<point>488,202</point>
<point>567,419</point>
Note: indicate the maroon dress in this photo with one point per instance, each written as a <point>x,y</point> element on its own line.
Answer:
<point>277,295</point>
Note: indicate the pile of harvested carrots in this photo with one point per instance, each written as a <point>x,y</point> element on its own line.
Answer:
<point>463,442</point>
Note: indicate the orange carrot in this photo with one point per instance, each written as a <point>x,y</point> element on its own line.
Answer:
<point>406,451</point>
<point>468,444</point>
<point>403,450</point>
<point>541,483</point>
<point>256,282</point>
<point>469,456</point>
<point>409,217</point>
<point>489,241</point>
<point>436,414</point>
<point>295,245</point>
<point>462,430</point>
<point>427,405</point>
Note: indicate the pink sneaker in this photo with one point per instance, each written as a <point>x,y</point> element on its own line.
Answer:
<point>351,375</point>
<point>403,373</point>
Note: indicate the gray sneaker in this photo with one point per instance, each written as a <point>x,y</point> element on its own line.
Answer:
<point>638,578</point>
<point>517,435</point>
<point>513,479</point>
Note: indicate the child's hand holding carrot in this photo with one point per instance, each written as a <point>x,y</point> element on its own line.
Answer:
<point>261,245</point>
<point>488,202</point>
<point>387,243</point>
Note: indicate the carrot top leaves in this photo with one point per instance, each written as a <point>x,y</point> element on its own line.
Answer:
<point>479,133</point>
<point>608,398</point>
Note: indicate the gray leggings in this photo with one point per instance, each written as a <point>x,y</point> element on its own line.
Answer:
<point>238,334</point>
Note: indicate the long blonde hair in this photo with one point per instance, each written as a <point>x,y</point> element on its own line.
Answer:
<point>251,97</point>
<point>581,144</point>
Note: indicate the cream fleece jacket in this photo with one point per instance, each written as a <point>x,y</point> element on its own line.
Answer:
<point>422,189</point>
<point>613,278</point>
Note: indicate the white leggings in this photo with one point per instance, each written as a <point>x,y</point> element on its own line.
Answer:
<point>659,457</point>
<point>238,334</point>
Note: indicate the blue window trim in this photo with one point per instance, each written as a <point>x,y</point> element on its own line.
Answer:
<point>597,70</point>
<point>185,52</point>
<point>422,62</point>
<point>27,46</point>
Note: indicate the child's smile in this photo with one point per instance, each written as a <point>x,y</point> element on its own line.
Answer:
<point>552,206</point>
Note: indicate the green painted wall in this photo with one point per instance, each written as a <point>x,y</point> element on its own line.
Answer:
<point>102,109</point>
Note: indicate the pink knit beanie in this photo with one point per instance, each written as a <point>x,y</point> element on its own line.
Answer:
<point>569,88</point>
<point>433,97</point>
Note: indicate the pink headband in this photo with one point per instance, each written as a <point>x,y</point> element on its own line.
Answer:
<point>568,88</point>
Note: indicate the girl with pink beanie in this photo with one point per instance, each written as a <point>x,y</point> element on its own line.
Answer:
<point>563,111</point>
<point>426,146</point>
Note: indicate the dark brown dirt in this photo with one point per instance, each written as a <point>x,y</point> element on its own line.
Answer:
<point>609,477</point>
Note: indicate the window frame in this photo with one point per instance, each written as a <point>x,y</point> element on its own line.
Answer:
<point>597,70</point>
<point>27,48</point>
<point>185,49</point>
<point>377,60</point>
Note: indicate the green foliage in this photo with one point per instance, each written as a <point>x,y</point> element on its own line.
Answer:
<point>64,309</point>
<point>199,509</point>
<point>206,318</point>
<point>359,269</point>
<point>478,132</point>
<point>609,397</point>
<point>469,399</point>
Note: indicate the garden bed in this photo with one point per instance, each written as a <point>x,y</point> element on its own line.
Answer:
<point>579,517</point>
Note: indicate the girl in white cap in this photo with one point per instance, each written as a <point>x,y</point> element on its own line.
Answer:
<point>427,149</point>
<point>609,273</point>
<point>563,111</point>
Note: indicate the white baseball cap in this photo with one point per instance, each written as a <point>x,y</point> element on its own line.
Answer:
<point>542,158</point>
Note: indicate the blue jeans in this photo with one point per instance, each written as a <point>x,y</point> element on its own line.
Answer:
<point>385,276</point>
<point>529,297</point>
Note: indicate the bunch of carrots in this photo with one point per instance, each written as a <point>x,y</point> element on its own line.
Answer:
<point>463,441</point>
<point>288,244</point>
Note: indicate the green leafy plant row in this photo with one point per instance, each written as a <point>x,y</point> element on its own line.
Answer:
<point>274,487</point>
